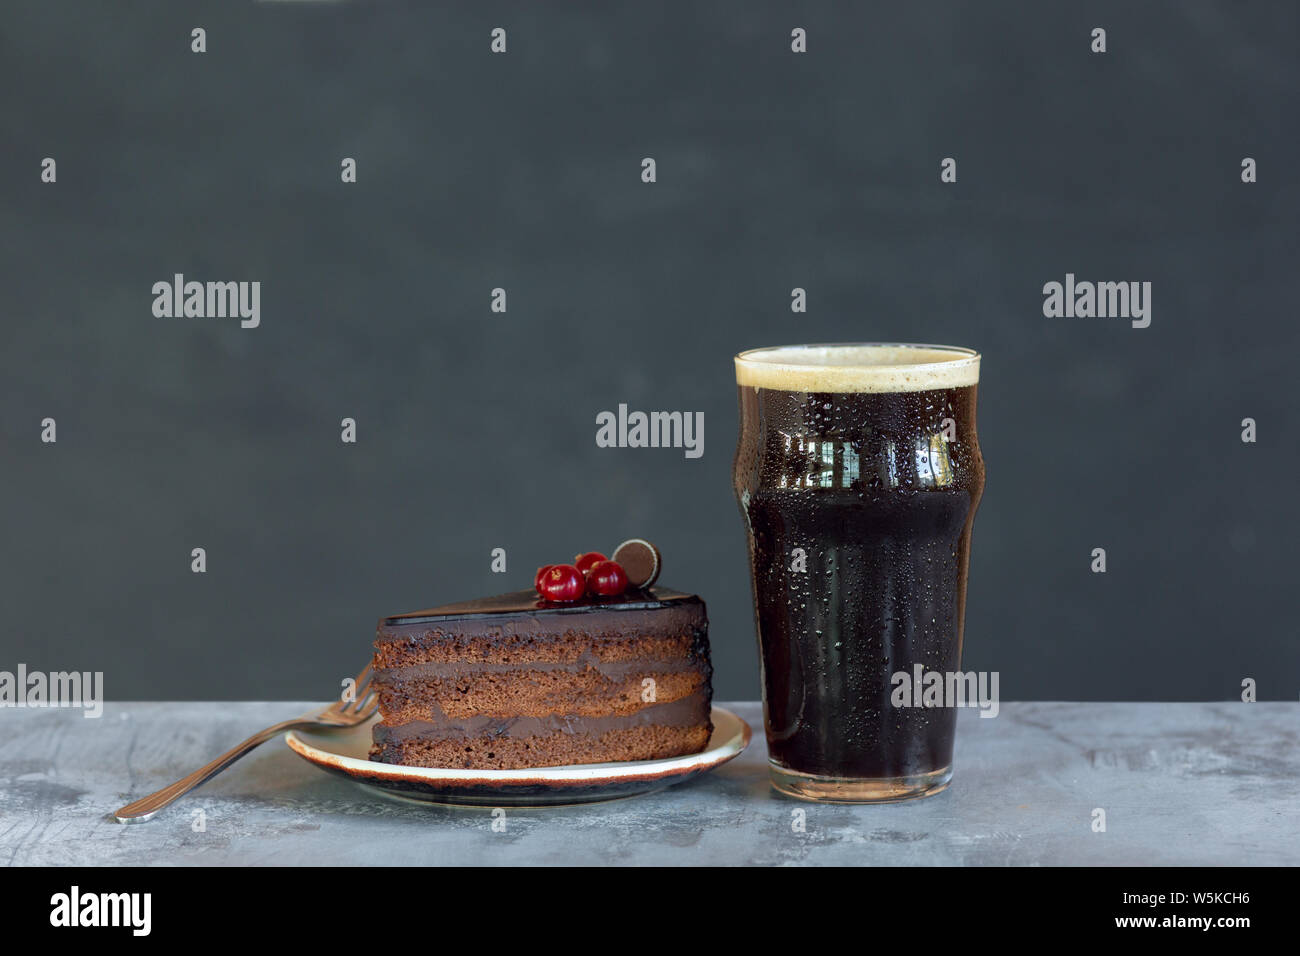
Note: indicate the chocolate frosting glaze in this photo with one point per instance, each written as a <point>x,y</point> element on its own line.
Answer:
<point>656,610</point>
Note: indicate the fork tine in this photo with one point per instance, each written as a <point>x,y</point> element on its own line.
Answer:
<point>360,690</point>
<point>362,702</point>
<point>363,691</point>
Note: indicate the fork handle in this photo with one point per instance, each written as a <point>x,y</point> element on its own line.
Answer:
<point>144,808</point>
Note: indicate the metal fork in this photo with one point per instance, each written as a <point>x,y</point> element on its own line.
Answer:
<point>342,713</point>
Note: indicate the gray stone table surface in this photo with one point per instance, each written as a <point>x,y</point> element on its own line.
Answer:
<point>1186,783</point>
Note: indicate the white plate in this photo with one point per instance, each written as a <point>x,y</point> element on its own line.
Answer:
<point>345,752</point>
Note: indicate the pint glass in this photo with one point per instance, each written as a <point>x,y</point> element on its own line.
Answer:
<point>858,473</point>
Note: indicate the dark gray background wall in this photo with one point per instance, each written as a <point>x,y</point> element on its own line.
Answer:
<point>476,430</point>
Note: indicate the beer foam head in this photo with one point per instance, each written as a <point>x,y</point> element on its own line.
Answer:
<point>866,367</point>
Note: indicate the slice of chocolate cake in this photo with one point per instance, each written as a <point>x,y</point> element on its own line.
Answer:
<point>517,681</point>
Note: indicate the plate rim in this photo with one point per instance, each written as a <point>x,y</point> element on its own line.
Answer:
<point>569,774</point>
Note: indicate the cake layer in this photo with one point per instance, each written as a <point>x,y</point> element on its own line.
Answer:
<point>513,753</point>
<point>611,652</point>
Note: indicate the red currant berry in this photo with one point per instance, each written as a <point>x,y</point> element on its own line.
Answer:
<point>583,562</point>
<point>607,579</point>
<point>563,583</point>
<point>537,578</point>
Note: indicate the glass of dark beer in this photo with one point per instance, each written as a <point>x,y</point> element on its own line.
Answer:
<point>858,473</point>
